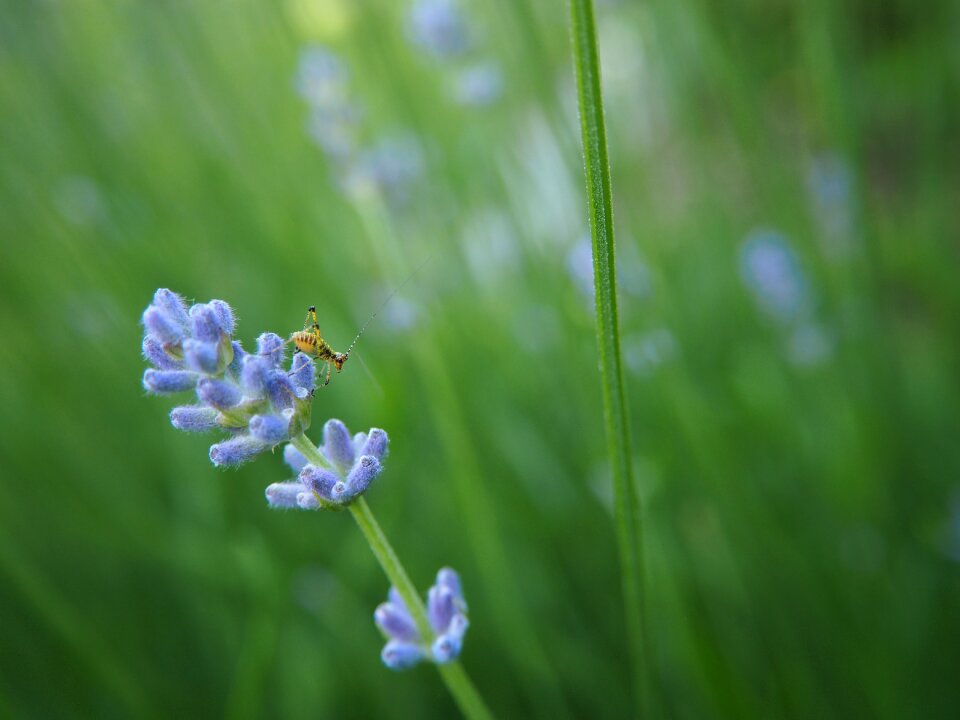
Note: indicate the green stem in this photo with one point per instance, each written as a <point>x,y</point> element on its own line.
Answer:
<point>626,504</point>
<point>453,674</point>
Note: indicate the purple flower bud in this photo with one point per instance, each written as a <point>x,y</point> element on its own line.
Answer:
<point>447,646</point>
<point>218,393</point>
<point>447,577</point>
<point>236,365</point>
<point>282,391</point>
<point>270,429</point>
<point>293,457</point>
<point>284,494</point>
<point>337,445</point>
<point>171,305</point>
<point>375,444</point>
<point>320,480</point>
<point>398,655</point>
<point>168,381</point>
<point>224,316</point>
<point>396,599</point>
<point>362,474</point>
<point>302,372</point>
<point>440,607</point>
<point>395,623</point>
<point>253,376</point>
<point>270,346</point>
<point>204,323</point>
<point>358,441</point>
<point>158,357</point>
<point>307,501</point>
<point>201,356</point>
<point>193,418</point>
<point>161,327</point>
<point>236,450</point>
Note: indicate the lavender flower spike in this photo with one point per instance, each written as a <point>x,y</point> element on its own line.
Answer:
<point>448,620</point>
<point>251,396</point>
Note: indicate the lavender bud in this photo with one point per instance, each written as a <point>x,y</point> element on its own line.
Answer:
<point>172,305</point>
<point>375,444</point>
<point>307,501</point>
<point>447,577</point>
<point>270,429</point>
<point>358,441</point>
<point>253,376</point>
<point>398,655</point>
<point>168,381</point>
<point>293,457</point>
<point>282,391</point>
<point>396,599</point>
<point>395,623</point>
<point>201,356</point>
<point>193,418</point>
<point>218,393</point>
<point>236,450</point>
<point>302,372</point>
<point>155,354</point>
<point>337,445</point>
<point>236,365</point>
<point>447,647</point>
<point>284,494</point>
<point>204,323</point>
<point>161,327</point>
<point>362,474</point>
<point>320,480</point>
<point>270,346</point>
<point>338,493</point>
<point>224,316</point>
<point>440,607</point>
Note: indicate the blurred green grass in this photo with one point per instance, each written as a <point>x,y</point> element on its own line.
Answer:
<point>802,520</point>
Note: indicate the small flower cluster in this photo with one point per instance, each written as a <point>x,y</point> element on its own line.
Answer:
<point>387,166</point>
<point>447,612</point>
<point>250,396</point>
<point>353,463</point>
<point>442,31</point>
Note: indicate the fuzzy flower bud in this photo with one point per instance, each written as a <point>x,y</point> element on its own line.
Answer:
<point>204,323</point>
<point>155,354</point>
<point>236,450</point>
<point>162,382</point>
<point>337,445</point>
<point>219,394</point>
<point>270,346</point>
<point>284,494</point>
<point>201,356</point>
<point>193,418</point>
<point>270,429</point>
<point>294,458</point>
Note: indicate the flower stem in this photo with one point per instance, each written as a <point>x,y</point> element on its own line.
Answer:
<point>626,504</point>
<point>453,674</point>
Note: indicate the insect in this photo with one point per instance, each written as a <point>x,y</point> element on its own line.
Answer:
<point>311,342</point>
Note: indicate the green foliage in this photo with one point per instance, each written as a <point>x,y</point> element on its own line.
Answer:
<point>801,517</point>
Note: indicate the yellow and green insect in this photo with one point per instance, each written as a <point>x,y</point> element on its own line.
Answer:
<point>310,342</point>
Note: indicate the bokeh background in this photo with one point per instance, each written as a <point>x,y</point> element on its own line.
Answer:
<point>786,184</point>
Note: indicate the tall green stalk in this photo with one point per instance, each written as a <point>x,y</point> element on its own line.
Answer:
<point>626,504</point>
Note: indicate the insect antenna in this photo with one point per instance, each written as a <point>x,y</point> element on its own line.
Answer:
<point>384,303</point>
